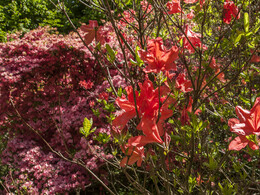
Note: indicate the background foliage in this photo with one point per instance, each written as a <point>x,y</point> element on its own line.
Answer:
<point>25,15</point>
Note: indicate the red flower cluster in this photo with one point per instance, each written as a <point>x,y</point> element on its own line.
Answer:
<point>247,127</point>
<point>157,57</point>
<point>216,67</point>
<point>192,38</point>
<point>183,84</point>
<point>150,111</point>
<point>92,31</point>
<point>174,6</point>
<point>230,9</point>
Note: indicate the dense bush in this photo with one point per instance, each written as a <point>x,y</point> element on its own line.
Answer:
<point>52,81</point>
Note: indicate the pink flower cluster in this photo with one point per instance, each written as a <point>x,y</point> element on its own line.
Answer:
<point>52,80</point>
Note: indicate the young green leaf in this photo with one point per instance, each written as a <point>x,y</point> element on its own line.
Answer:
<point>111,53</point>
<point>246,22</point>
<point>86,129</point>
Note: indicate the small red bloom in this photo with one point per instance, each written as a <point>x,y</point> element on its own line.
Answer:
<point>213,64</point>
<point>202,2</point>
<point>185,119</point>
<point>194,40</point>
<point>191,14</point>
<point>221,76</point>
<point>103,96</point>
<point>86,85</point>
<point>183,84</point>
<point>255,58</point>
<point>247,124</point>
<point>92,31</point>
<point>230,9</point>
<point>157,57</point>
<point>136,154</point>
<point>174,6</point>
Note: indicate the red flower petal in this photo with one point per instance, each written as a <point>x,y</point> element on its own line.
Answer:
<point>238,143</point>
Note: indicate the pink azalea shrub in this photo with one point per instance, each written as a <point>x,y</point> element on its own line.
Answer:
<point>52,80</point>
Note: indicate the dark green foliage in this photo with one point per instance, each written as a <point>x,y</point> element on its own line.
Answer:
<point>24,15</point>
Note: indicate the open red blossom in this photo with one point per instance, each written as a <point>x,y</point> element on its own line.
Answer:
<point>255,58</point>
<point>216,67</point>
<point>194,39</point>
<point>134,154</point>
<point>157,57</point>
<point>213,64</point>
<point>221,76</point>
<point>174,6</point>
<point>230,9</point>
<point>147,103</point>
<point>247,124</point>
<point>191,14</point>
<point>183,84</point>
<point>92,30</point>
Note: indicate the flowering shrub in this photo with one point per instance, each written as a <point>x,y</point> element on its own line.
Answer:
<point>165,88</point>
<point>51,81</point>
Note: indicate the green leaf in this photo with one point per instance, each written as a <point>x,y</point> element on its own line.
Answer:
<point>120,92</point>
<point>138,59</point>
<point>85,130</point>
<point>238,38</point>
<point>245,100</point>
<point>257,26</point>
<point>111,53</point>
<point>133,62</point>
<point>103,138</point>
<point>246,22</point>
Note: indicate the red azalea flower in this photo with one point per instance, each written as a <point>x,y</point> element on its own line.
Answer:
<point>194,39</point>
<point>191,14</point>
<point>247,124</point>
<point>255,58</point>
<point>183,84</point>
<point>86,85</point>
<point>103,96</point>
<point>147,103</point>
<point>136,154</point>
<point>174,6</point>
<point>213,64</point>
<point>221,76</point>
<point>157,57</point>
<point>92,30</point>
<point>230,9</point>
<point>216,67</point>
